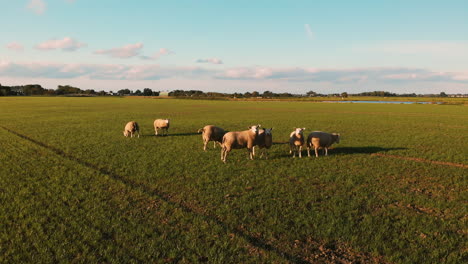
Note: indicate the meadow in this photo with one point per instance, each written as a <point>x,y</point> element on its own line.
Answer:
<point>74,189</point>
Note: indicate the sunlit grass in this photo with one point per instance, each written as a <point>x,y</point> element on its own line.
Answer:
<point>89,194</point>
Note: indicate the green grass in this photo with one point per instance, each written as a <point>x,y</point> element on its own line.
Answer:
<point>73,189</point>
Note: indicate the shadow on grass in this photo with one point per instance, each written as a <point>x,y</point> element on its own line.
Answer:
<point>360,150</point>
<point>171,135</point>
<point>336,151</point>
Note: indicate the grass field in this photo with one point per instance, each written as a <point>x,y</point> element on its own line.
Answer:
<point>73,189</point>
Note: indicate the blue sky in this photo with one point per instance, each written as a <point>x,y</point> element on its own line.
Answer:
<point>284,46</point>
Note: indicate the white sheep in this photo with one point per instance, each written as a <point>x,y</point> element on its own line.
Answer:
<point>264,141</point>
<point>318,139</point>
<point>211,133</point>
<point>161,124</point>
<point>238,140</point>
<point>296,141</point>
<point>130,128</point>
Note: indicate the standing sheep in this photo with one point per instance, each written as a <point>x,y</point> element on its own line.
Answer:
<point>318,139</point>
<point>238,140</point>
<point>130,128</point>
<point>264,141</point>
<point>296,140</point>
<point>161,124</point>
<point>211,133</point>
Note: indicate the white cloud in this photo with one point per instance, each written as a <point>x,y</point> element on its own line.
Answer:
<point>308,31</point>
<point>210,60</point>
<point>15,46</point>
<point>65,44</point>
<point>127,51</point>
<point>157,55</point>
<point>37,6</point>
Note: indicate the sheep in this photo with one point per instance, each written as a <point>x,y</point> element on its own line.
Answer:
<point>238,140</point>
<point>264,141</point>
<point>130,128</point>
<point>296,140</point>
<point>161,124</point>
<point>318,139</point>
<point>211,133</point>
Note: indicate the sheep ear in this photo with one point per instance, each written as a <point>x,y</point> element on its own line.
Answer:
<point>271,129</point>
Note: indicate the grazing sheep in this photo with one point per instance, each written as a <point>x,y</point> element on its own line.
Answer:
<point>318,139</point>
<point>238,140</point>
<point>211,133</point>
<point>264,141</point>
<point>296,140</point>
<point>161,124</point>
<point>130,128</point>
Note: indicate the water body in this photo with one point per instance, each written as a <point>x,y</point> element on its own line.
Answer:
<point>382,102</point>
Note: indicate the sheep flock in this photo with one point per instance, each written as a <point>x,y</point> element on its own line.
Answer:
<point>254,136</point>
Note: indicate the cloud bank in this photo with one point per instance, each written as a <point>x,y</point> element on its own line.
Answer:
<point>157,72</point>
<point>37,6</point>
<point>15,46</point>
<point>65,44</point>
<point>211,60</point>
<point>124,52</point>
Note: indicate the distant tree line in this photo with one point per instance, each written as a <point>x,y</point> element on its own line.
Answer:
<point>36,89</point>
<point>145,92</point>
<point>254,94</point>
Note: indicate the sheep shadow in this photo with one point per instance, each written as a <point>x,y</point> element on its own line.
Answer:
<point>360,150</point>
<point>171,135</point>
<point>338,151</point>
<point>183,134</point>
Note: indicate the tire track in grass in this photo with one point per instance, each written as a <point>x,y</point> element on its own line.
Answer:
<point>421,160</point>
<point>166,197</point>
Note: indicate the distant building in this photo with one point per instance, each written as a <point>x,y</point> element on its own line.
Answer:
<point>163,93</point>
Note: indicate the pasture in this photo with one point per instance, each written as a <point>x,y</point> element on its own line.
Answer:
<point>74,189</point>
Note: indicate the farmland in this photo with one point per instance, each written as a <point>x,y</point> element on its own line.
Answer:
<point>74,189</point>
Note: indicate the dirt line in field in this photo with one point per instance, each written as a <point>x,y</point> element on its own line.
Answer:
<point>168,198</point>
<point>421,160</point>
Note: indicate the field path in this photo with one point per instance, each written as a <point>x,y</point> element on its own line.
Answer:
<point>421,160</point>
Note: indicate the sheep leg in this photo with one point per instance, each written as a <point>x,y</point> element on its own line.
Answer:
<point>156,131</point>
<point>253,151</point>
<point>326,151</point>
<point>300,151</point>
<point>316,152</point>
<point>308,151</point>
<point>204,145</point>
<point>214,144</point>
<point>223,154</point>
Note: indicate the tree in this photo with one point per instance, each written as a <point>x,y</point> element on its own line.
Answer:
<point>344,95</point>
<point>311,93</point>
<point>124,92</point>
<point>267,94</point>
<point>138,92</point>
<point>67,89</point>
<point>443,94</point>
<point>255,94</point>
<point>147,92</point>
